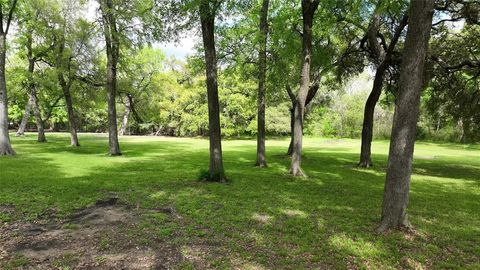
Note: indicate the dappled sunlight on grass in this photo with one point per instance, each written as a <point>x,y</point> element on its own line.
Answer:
<point>356,247</point>
<point>263,217</point>
<point>294,213</point>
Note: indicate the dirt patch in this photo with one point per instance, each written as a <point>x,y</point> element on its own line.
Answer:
<point>100,237</point>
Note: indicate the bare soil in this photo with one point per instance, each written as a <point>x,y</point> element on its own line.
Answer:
<point>93,238</point>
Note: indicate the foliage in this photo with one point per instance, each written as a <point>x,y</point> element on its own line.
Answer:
<point>453,96</point>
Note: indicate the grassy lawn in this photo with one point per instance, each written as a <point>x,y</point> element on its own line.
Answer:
<point>262,219</point>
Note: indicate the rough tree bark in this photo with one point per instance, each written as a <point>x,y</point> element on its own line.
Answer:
<point>262,70</point>
<point>26,116</point>
<point>397,184</point>
<point>5,144</point>
<point>308,11</point>
<point>62,67</point>
<point>113,48</point>
<point>32,91</point>
<point>312,91</point>
<point>38,117</point>
<point>384,59</point>
<point>126,115</point>
<point>207,18</point>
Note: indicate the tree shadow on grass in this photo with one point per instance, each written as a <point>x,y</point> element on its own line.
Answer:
<point>264,216</point>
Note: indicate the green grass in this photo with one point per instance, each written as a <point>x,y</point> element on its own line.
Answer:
<point>263,217</point>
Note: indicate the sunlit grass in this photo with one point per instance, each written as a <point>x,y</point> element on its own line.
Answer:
<point>263,217</point>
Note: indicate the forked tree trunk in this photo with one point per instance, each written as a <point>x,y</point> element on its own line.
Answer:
<point>262,70</point>
<point>61,68</point>
<point>126,115</point>
<point>384,58</point>
<point>5,145</point>
<point>112,47</point>
<point>25,118</point>
<point>397,184</point>
<point>312,91</point>
<point>207,18</point>
<point>308,10</point>
<point>38,118</point>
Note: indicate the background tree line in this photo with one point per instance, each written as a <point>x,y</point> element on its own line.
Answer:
<point>336,110</point>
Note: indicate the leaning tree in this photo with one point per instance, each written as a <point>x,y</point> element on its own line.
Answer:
<point>382,54</point>
<point>34,36</point>
<point>407,105</point>
<point>7,10</point>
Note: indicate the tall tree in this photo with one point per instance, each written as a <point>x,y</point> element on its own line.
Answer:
<point>262,70</point>
<point>62,66</point>
<point>5,22</point>
<point>308,11</point>
<point>32,91</point>
<point>112,43</point>
<point>128,24</point>
<point>383,58</point>
<point>397,184</point>
<point>208,10</point>
<point>72,46</point>
<point>34,25</point>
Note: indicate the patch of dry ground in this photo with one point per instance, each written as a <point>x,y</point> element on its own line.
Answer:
<point>94,238</point>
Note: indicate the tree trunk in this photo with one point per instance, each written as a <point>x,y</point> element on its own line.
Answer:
<point>384,58</point>
<point>38,118</point>
<point>61,68</point>
<point>311,94</point>
<point>308,10</point>
<point>26,117</point>
<point>5,145</point>
<point>32,92</point>
<point>112,48</point>
<point>397,183</point>
<point>71,117</point>
<point>292,123</point>
<point>368,116</point>
<point>126,114</point>
<point>465,126</point>
<point>207,18</point>
<point>262,66</point>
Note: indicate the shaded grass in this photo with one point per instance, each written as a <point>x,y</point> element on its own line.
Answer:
<point>263,217</point>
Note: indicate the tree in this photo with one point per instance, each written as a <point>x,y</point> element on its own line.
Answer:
<point>32,91</point>
<point>308,11</point>
<point>397,184</point>
<point>6,20</point>
<point>452,100</point>
<point>138,73</point>
<point>70,38</point>
<point>383,57</point>
<point>34,38</point>
<point>127,24</point>
<point>112,43</point>
<point>262,70</point>
<point>208,10</point>
<point>312,91</point>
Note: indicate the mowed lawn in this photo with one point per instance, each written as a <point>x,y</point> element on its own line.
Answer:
<point>263,218</point>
